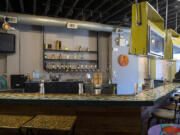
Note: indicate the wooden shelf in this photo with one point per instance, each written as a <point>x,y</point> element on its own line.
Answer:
<point>71,71</point>
<point>58,60</point>
<point>69,51</point>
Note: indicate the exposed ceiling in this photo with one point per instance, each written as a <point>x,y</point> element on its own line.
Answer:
<point>116,12</point>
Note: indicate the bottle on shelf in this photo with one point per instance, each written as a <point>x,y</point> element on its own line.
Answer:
<point>67,56</point>
<point>82,57</point>
<point>54,67</point>
<point>88,49</point>
<point>78,67</point>
<point>45,56</point>
<point>45,46</point>
<point>53,56</point>
<point>60,45</point>
<point>75,56</point>
<point>28,77</point>
<point>60,56</point>
<point>58,67</point>
<point>62,66</point>
<point>80,48</point>
<point>57,45</point>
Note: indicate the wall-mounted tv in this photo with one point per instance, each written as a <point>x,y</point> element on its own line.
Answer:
<point>156,43</point>
<point>7,43</point>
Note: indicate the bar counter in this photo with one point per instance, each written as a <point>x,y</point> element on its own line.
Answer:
<point>97,115</point>
<point>144,98</point>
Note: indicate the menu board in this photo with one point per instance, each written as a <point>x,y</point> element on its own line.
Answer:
<point>156,43</point>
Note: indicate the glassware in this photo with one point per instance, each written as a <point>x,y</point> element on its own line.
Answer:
<point>62,66</point>
<point>60,56</point>
<point>67,56</point>
<point>53,56</point>
<point>45,56</point>
<point>82,57</point>
<point>75,56</point>
<point>78,56</point>
<point>82,67</point>
<point>85,67</point>
<point>54,67</point>
<point>58,67</point>
<point>95,66</point>
<point>91,67</point>
<point>78,67</point>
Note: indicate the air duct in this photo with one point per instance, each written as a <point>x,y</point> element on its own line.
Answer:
<point>58,22</point>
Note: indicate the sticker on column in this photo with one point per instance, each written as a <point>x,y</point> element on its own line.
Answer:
<point>123,60</point>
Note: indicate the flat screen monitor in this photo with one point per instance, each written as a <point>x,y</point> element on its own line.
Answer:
<point>7,43</point>
<point>176,52</point>
<point>156,43</point>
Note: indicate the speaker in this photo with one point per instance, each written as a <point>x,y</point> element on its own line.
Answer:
<point>17,81</point>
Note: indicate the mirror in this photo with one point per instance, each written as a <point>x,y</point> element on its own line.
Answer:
<point>156,43</point>
<point>176,52</point>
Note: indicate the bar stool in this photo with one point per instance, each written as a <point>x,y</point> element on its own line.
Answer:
<point>165,114</point>
<point>162,129</point>
<point>173,106</point>
<point>51,125</point>
<point>10,124</point>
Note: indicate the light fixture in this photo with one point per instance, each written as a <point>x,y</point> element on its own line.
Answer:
<point>5,26</point>
<point>153,41</point>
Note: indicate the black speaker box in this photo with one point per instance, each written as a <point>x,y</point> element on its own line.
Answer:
<point>17,81</point>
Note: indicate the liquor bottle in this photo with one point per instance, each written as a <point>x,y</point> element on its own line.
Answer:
<point>53,56</point>
<point>80,48</point>
<point>60,45</point>
<point>57,45</point>
<point>60,57</point>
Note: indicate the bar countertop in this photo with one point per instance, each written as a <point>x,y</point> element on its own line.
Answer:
<point>144,98</point>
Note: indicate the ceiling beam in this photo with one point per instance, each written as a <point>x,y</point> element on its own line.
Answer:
<point>8,6</point>
<point>173,26</point>
<point>85,7</point>
<point>171,10</point>
<point>48,5</point>
<point>172,16</point>
<point>173,21</point>
<point>97,8</point>
<point>59,9</point>
<point>21,2</point>
<point>115,13</point>
<point>111,7</point>
<point>71,9</point>
<point>163,8</point>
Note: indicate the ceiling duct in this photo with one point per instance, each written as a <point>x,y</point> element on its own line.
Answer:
<point>59,22</point>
